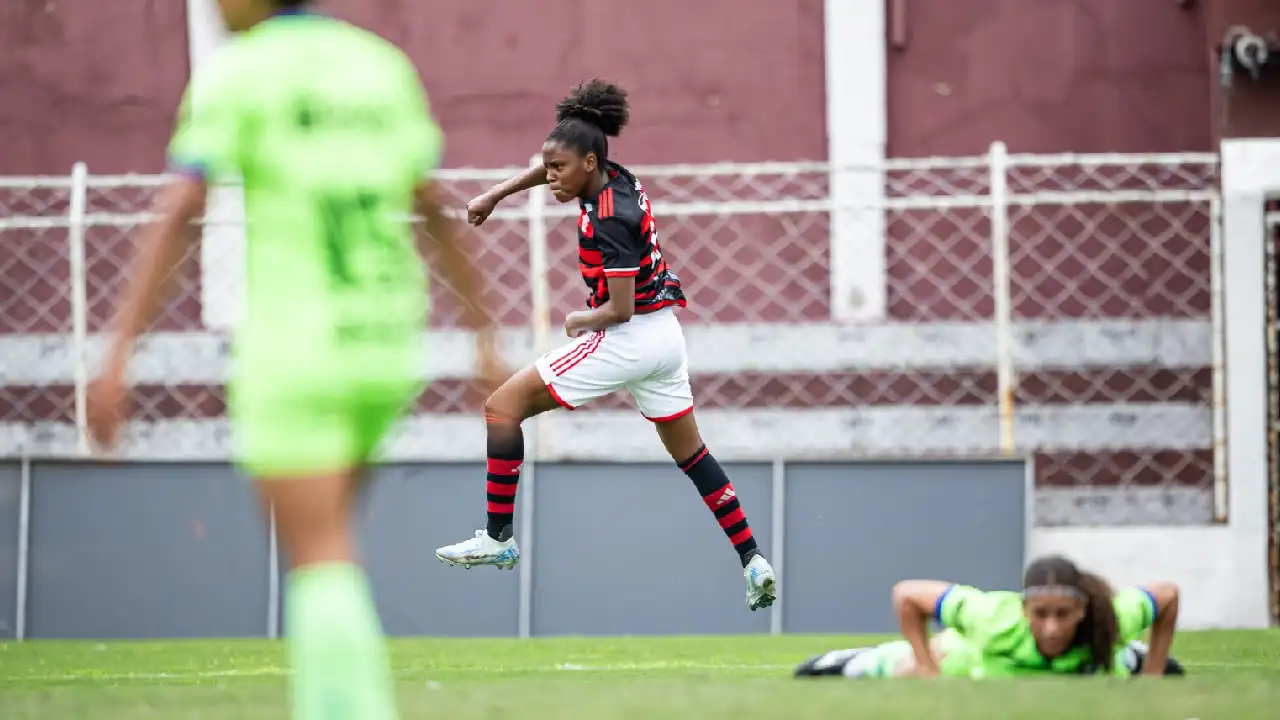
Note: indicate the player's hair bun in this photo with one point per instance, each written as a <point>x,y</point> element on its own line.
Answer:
<point>599,103</point>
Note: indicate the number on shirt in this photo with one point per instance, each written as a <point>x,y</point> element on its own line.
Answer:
<point>347,220</point>
<point>656,253</point>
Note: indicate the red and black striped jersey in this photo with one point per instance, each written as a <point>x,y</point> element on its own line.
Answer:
<point>617,237</point>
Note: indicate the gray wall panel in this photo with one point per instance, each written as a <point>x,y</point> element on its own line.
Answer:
<point>409,511</point>
<point>145,551</point>
<point>630,549</point>
<point>853,530</point>
<point>10,489</point>
<point>179,550</point>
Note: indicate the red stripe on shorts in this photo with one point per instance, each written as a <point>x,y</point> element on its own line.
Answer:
<point>578,354</point>
<point>556,396</point>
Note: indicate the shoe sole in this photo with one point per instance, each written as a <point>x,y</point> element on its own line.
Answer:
<point>468,565</point>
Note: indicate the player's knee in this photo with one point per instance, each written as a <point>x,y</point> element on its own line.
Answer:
<point>500,409</point>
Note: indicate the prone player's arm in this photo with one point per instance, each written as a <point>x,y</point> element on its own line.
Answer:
<point>915,602</point>
<point>1163,598</point>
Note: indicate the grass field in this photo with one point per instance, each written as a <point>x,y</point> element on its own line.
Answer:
<point>1232,676</point>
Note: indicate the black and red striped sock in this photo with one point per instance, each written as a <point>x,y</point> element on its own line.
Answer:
<point>722,500</point>
<point>505,450</point>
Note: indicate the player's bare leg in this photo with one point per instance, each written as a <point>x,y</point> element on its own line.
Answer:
<point>683,441</point>
<point>336,648</point>
<point>521,397</point>
<point>894,659</point>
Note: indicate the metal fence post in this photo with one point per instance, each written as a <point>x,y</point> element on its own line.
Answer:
<point>539,326</point>
<point>1002,292</point>
<point>1221,503</point>
<point>273,577</point>
<point>79,298</point>
<point>778,547</point>
<point>24,551</point>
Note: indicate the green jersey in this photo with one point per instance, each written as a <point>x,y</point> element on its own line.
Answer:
<point>327,127</point>
<point>998,635</point>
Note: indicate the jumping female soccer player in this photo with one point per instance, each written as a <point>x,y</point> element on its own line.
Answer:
<point>628,338</point>
<point>1065,621</point>
<point>329,129</point>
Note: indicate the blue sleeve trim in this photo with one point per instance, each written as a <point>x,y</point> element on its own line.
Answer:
<point>1155,607</point>
<point>187,169</point>
<point>294,12</point>
<point>942,599</point>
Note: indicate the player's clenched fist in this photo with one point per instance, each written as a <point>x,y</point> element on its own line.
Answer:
<point>479,208</point>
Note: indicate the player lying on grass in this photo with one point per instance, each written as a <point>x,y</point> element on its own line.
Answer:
<point>895,659</point>
<point>628,337</point>
<point>1064,621</point>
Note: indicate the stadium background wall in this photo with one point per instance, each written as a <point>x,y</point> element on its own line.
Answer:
<point>161,550</point>
<point>964,74</point>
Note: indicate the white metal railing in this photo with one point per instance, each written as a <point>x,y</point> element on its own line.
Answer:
<point>1031,266</point>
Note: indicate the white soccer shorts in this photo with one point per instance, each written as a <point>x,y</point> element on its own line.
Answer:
<point>645,355</point>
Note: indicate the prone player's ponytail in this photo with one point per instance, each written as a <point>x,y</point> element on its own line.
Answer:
<point>595,111</point>
<point>1100,628</point>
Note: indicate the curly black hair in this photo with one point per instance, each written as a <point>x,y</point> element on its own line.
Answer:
<point>595,111</point>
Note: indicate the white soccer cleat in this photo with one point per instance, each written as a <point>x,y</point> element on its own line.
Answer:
<point>762,584</point>
<point>481,550</point>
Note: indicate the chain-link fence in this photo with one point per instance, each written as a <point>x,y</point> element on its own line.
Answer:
<point>37,396</point>
<point>1057,306</point>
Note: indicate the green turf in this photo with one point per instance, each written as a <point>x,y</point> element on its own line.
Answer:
<point>1233,676</point>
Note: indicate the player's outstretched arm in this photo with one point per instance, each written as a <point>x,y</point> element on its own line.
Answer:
<point>915,602</point>
<point>479,209</point>
<point>1163,628</point>
<point>160,250</point>
<point>460,273</point>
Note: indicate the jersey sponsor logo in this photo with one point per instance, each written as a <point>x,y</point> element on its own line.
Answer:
<point>643,199</point>
<point>360,332</point>
<point>314,113</point>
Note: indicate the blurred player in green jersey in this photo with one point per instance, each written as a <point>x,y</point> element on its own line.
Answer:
<point>328,128</point>
<point>1064,621</point>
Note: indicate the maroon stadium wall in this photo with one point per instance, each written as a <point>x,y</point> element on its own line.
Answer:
<point>98,82</point>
